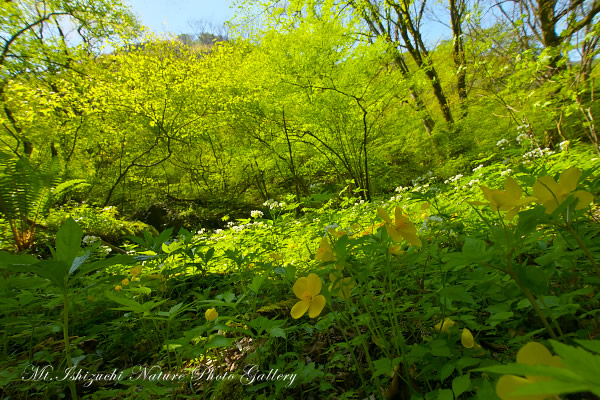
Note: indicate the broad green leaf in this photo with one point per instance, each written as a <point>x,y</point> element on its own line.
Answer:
<point>460,384</point>
<point>68,241</point>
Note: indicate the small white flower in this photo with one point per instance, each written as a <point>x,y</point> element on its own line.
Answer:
<point>506,172</point>
<point>502,143</point>
<point>256,214</point>
<point>564,145</point>
<point>522,137</point>
<point>478,168</point>
<point>90,239</point>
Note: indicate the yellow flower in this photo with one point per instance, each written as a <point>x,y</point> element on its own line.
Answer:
<point>551,194</point>
<point>118,288</point>
<point>336,234</point>
<point>325,252</point>
<point>467,340</point>
<point>211,314</point>
<point>396,250</point>
<point>532,353</point>
<point>341,286</point>
<point>307,289</point>
<point>448,323</point>
<point>135,271</point>
<point>125,282</point>
<point>400,228</point>
<point>508,199</point>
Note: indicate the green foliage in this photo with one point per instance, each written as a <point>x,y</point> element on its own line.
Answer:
<point>27,193</point>
<point>345,234</point>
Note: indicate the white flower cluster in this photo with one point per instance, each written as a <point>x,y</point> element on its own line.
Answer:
<point>90,239</point>
<point>256,214</point>
<point>453,179</point>
<point>522,137</point>
<point>502,143</point>
<point>274,205</point>
<point>427,177</point>
<point>431,218</point>
<point>537,153</point>
<point>564,145</point>
<point>478,168</point>
<point>401,189</point>
<point>421,189</point>
<point>506,172</point>
<point>473,182</point>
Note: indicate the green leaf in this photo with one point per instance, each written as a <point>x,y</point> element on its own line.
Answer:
<point>54,270</point>
<point>591,345</point>
<point>445,394</point>
<point>219,341</point>
<point>457,293</point>
<point>278,332</point>
<point>460,384</point>
<point>98,265</point>
<point>78,262</point>
<point>16,259</point>
<point>257,282</point>
<point>528,220</point>
<point>383,366</point>
<point>446,371</point>
<point>132,305</point>
<point>68,241</point>
<point>533,278</point>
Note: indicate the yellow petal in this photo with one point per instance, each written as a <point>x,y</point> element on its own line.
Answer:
<point>135,271</point>
<point>211,314</point>
<point>534,353</point>
<point>325,252</point>
<point>489,195</point>
<point>412,238</point>
<point>384,215</point>
<point>394,233</point>
<point>583,199</point>
<point>448,323</point>
<point>507,384</point>
<point>511,213</point>
<point>125,282</point>
<point>545,189</point>
<point>396,250</point>
<point>314,284</point>
<point>300,309</point>
<point>466,339</point>
<point>300,287</point>
<point>569,178</point>
<point>512,188</point>
<point>399,218</point>
<point>316,306</point>
<point>118,288</point>
<point>338,234</point>
<point>550,206</point>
